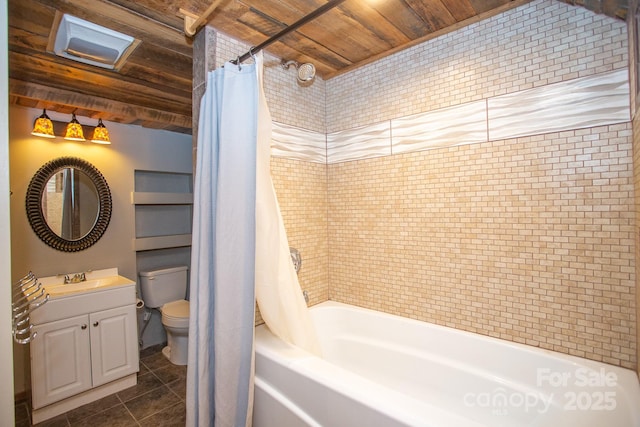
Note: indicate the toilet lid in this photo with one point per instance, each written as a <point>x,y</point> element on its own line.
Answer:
<point>176,309</point>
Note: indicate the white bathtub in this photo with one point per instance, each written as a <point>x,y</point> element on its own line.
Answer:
<point>384,370</point>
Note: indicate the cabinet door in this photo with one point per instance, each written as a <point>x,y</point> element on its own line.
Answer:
<point>114,344</point>
<point>60,360</point>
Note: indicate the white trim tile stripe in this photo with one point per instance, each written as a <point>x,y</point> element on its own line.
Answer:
<point>360,143</point>
<point>597,100</point>
<point>298,144</point>
<point>446,127</point>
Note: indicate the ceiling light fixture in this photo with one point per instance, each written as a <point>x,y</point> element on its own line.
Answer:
<point>43,126</point>
<point>101,134</point>
<point>74,130</point>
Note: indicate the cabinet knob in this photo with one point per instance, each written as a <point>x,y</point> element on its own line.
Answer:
<point>83,327</point>
<point>95,323</point>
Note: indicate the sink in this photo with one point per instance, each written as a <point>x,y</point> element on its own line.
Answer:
<point>95,281</point>
<point>88,285</point>
<point>102,290</point>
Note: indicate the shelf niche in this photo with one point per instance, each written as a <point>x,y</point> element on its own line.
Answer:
<point>163,208</point>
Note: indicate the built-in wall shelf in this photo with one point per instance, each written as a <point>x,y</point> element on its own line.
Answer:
<point>149,198</point>
<point>163,207</point>
<point>162,242</point>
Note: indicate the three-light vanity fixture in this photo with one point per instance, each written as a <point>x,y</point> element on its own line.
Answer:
<point>45,127</point>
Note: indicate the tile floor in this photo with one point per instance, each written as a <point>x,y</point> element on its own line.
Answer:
<point>157,400</point>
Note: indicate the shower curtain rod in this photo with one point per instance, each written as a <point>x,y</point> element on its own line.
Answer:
<point>305,19</point>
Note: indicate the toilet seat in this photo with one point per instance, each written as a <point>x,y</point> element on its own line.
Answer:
<point>175,314</point>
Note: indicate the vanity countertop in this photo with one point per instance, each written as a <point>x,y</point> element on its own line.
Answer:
<point>102,289</point>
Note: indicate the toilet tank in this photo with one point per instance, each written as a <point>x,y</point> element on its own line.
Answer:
<point>164,285</point>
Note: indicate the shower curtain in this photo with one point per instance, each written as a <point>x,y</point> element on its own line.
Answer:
<point>278,292</point>
<point>239,251</point>
<point>222,298</point>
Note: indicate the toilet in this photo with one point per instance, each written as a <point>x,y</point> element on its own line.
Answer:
<point>165,289</point>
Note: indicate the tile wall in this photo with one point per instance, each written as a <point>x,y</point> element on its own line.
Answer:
<point>302,194</point>
<point>584,102</point>
<point>527,238</point>
<point>522,239</point>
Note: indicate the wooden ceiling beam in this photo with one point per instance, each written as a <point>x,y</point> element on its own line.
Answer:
<point>193,23</point>
<point>163,11</point>
<point>92,81</point>
<point>76,100</point>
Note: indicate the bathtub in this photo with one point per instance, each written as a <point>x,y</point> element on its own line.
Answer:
<point>383,370</point>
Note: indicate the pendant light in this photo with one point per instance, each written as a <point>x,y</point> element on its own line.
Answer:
<point>74,130</point>
<point>101,134</point>
<point>43,126</point>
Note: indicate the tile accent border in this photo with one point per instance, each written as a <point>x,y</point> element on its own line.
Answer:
<point>298,144</point>
<point>360,143</point>
<point>446,127</point>
<point>598,100</point>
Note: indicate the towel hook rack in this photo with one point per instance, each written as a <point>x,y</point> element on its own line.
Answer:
<point>28,296</point>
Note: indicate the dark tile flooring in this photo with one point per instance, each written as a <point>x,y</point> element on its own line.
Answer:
<point>157,400</point>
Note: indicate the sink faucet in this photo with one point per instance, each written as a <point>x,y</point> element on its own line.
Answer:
<point>77,278</point>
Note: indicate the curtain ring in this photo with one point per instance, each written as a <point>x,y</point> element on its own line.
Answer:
<point>238,63</point>
<point>252,54</point>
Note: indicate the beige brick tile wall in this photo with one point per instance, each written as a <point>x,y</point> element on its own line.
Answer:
<point>529,240</point>
<point>301,188</point>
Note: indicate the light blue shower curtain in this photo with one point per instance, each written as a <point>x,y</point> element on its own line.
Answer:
<point>222,293</point>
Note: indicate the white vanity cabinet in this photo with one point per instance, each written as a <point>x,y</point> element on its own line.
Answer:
<point>114,344</point>
<point>86,348</point>
<point>60,360</point>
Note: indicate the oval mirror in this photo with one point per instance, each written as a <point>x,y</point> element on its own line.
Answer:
<point>68,204</point>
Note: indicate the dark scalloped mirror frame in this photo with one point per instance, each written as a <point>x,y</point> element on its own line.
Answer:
<point>34,204</point>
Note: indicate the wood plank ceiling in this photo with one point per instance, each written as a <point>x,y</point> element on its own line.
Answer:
<point>153,87</point>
